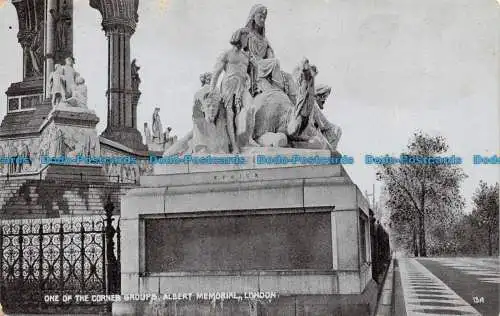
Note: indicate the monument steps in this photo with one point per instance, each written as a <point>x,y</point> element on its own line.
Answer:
<point>9,190</point>
<point>35,198</point>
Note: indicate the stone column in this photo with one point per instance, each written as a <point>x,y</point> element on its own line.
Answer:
<point>49,44</point>
<point>29,14</point>
<point>119,18</point>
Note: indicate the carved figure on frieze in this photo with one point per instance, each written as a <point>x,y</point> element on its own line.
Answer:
<point>134,173</point>
<point>60,144</point>
<point>46,145</point>
<point>136,80</point>
<point>210,132</point>
<point>157,129</point>
<point>19,164</point>
<point>234,63</point>
<point>88,148</point>
<point>123,173</point>
<point>24,154</point>
<point>144,168</point>
<point>113,171</point>
<point>106,169</point>
<point>62,147</point>
<point>56,85</point>
<point>27,153</point>
<point>2,156</point>
<point>14,154</point>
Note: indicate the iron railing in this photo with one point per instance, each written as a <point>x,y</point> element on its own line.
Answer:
<point>52,258</point>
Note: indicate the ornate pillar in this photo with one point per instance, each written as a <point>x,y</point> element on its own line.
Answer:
<point>31,35</point>
<point>46,37</point>
<point>49,44</point>
<point>119,18</point>
<point>28,93</point>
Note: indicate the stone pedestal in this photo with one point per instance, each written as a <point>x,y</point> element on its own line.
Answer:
<point>56,133</point>
<point>70,133</point>
<point>300,232</point>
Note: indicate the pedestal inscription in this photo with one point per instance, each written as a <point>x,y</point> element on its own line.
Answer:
<point>239,243</point>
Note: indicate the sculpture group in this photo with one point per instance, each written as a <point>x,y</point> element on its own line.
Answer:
<point>257,104</point>
<point>66,87</point>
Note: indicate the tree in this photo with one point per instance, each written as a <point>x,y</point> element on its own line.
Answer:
<point>420,192</point>
<point>465,237</point>
<point>485,213</point>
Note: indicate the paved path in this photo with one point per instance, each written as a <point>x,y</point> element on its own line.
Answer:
<point>476,280</point>
<point>425,294</point>
<point>398,307</point>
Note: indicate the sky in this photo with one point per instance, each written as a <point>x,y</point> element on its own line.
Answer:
<point>395,66</point>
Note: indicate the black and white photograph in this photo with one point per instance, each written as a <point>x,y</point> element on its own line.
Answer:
<point>253,158</point>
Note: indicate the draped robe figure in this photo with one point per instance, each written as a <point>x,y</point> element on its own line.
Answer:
<point>156,127</point>
<point>56,85</point>
<point>70,75</point>
<point>258,45</point>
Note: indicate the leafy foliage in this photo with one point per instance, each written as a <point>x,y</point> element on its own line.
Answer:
<point>484,217</point>
<point>421,197</point>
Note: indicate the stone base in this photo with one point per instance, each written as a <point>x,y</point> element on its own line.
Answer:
<point>297,305</point>
<point>298,230</point>
<point>93,173</point>
<point>156,147</point>
<point>290,230</point>
<point>129,137</point>
<point>72,132</point>
<point>73,116</point>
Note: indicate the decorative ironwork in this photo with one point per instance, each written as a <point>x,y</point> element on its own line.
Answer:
<point>54,258</point>
<point>111,259</point>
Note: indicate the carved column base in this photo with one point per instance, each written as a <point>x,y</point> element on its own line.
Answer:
<point>129,137</point>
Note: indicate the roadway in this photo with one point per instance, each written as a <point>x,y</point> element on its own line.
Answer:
<point>447,286</point>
